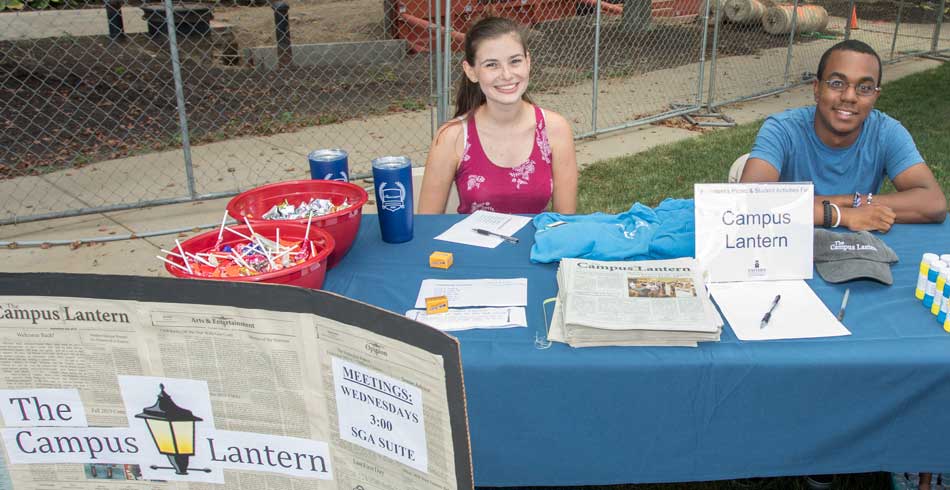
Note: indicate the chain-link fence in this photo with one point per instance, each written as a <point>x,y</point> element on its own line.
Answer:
<point>762,47</point>
<point>112,106</point>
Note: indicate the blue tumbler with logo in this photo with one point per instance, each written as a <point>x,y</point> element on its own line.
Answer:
<point>329,164</point>
<point>392,177</point>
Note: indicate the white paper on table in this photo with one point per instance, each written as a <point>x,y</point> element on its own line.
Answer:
<point>503,224</point>
<point>475,292</point>
<point>462,319</point>
<point>800,314</point>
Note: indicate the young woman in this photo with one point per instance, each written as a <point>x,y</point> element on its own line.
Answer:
<point>503,153</point>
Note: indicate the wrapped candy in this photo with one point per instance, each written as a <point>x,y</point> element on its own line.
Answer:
<point>257,255</point>
<point>305,209</point>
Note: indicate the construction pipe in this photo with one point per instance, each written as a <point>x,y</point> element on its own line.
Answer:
<point>810,18</point>
<point>606,7</point>
<point>457,36</point>
<point>744,11</point>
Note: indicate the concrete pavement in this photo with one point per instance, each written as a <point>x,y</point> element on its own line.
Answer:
<point>137,256</point>
<point>66,23</point>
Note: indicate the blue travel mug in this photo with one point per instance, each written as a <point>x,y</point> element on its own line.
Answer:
<point>392,177</point>
<point>329,164</point>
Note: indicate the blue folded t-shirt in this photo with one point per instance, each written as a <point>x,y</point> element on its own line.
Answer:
<point>639,233</point>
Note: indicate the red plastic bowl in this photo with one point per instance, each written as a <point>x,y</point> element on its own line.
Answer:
<point>343,225</point>
<point>309,274</point>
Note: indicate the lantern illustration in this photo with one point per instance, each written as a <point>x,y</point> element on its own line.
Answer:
<point>173,432</point>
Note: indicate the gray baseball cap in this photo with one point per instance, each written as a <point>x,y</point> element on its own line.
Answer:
<point>841,257</point>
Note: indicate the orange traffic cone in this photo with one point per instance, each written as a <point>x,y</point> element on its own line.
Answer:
<point>854,17</point>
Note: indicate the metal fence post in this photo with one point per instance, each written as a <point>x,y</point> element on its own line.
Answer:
<point>702,55</point>
<point>897,27</point>
<point>710,110</point>
<point>934,46</point>
<point>791,42</point>
<point>596,74</point>
<point>285,54</point>
<point>711,97</point>
<point>447,60</point>
<point>114,17</point>
<point>180,96</point>
<point>439,71</point>
<point>433,93</point>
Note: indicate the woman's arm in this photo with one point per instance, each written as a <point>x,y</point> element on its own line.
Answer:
<point>441,165</point>
<point>563,163</point>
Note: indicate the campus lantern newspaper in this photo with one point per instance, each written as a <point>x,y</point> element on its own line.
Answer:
<point>94,392</point>
<point>642,303</point>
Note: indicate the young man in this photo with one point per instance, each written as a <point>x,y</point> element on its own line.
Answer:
<point>845,147</point>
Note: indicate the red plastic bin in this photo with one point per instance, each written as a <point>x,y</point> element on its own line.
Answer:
<point>343,225</point>
<point>309,274</point>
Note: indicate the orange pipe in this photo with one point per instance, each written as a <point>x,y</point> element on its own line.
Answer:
<point>458,37</point>
<point>606,7</point>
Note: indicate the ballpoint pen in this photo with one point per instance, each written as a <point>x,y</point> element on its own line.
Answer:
<point>509,239</point>
<point>844,304</point>
<point>768,314</point>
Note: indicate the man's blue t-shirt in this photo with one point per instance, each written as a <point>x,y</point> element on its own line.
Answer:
<point>788,142</point>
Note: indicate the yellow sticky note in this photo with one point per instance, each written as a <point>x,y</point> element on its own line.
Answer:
<point>437,304</point>
<point>440,260</point>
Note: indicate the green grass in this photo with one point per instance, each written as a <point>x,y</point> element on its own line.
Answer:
<point>665,171</point>
<point>921,102</point>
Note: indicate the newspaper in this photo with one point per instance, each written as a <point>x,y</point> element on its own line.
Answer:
<point>360,410</point>
<point>645,303</point>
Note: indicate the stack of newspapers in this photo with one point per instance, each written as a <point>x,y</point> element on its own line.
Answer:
<point>641,303</point>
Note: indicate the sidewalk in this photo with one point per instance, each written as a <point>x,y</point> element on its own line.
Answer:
<point>59,23</point>
<point>137,256</point>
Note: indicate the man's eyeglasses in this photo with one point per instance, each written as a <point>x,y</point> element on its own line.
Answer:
<point>864,89</point>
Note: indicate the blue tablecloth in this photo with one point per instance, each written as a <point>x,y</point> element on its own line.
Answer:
<point>876,400</point>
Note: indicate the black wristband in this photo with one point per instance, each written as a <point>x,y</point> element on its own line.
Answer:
<point>826,221</point>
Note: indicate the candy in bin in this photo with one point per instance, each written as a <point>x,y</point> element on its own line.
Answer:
<point>253,255</point>
<point>305,209</point>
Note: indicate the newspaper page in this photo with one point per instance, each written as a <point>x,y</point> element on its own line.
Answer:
<point>63,344</point>
<point>649,294</point>
<point>87,385</point>
<point>406,404</point>
<point>644,303</point>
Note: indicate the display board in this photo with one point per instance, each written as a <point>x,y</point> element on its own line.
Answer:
<point>129,382</point>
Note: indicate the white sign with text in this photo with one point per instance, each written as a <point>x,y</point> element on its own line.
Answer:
<point>755,232</point>
<point>291,456</point>
<point>43,445</point>
<point>42,407</point>
<point>380,413</point>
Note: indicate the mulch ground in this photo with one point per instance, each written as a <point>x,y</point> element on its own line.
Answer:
<point>70,102</point>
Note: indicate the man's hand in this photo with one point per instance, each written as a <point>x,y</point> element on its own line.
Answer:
<point>872,217</point>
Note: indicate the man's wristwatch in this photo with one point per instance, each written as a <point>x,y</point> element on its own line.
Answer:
<point>826,220</point>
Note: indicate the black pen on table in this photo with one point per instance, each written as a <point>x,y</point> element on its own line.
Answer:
<point>509,239</point>
<point>768,314</point>
<point>844,304</point>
